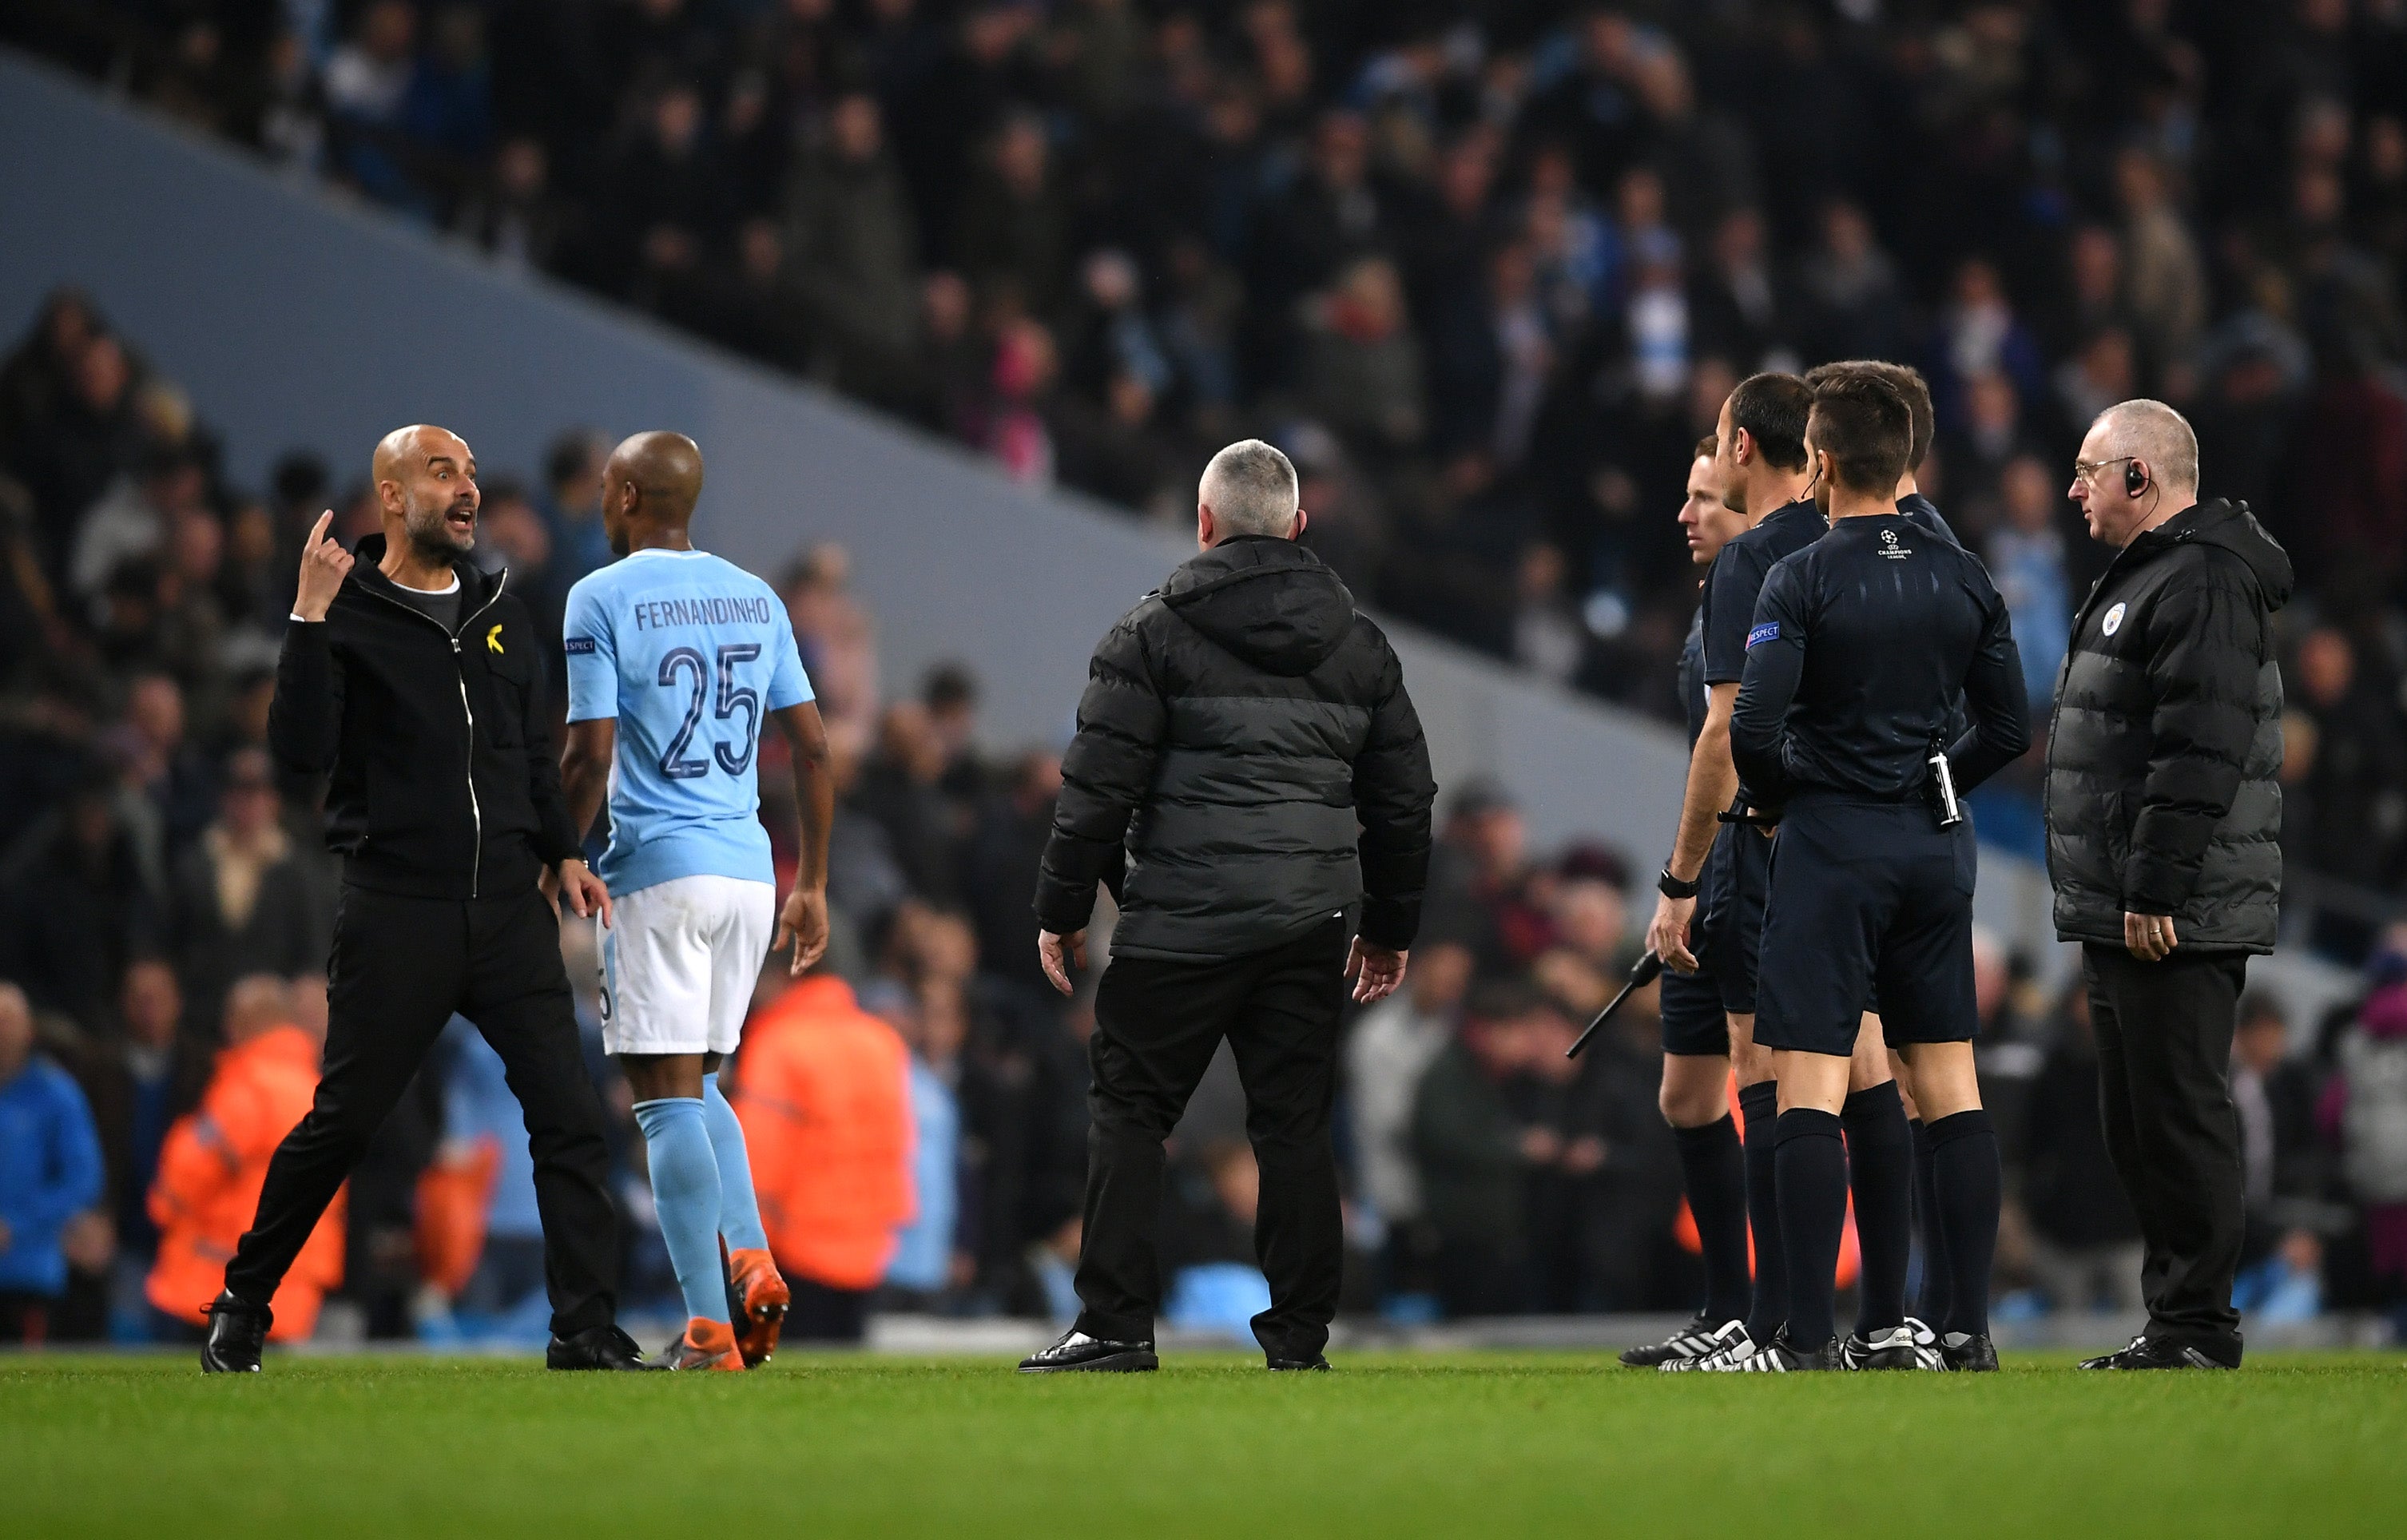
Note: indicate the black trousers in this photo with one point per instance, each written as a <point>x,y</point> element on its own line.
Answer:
<point>401,967</point>
<point>2164,1091</point>
<point>1157,1025</point>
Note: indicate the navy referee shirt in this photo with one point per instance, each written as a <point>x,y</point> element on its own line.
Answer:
<point>1861,645</point>
<point>1735,581</point>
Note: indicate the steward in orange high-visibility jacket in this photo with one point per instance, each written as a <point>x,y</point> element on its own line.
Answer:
<point>215,1160</point>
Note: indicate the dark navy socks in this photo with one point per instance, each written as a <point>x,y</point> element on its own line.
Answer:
<point>1760,1106</point>
<point>1713,1165</point>
<point>1969,1190</point>
<point>1880,1172</point>
<point>1812,1176</point>
<point>1933,1304</point>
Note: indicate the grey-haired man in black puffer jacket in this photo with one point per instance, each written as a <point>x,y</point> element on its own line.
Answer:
<point>2164,813</point>
<point>1248,768</point>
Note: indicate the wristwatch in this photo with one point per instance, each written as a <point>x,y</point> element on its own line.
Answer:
<point>1672,887</point>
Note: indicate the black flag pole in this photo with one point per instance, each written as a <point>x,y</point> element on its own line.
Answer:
<point>1642,972</point>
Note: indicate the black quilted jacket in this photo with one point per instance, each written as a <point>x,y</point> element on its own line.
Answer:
<point>2163,757</point>
<point>1247,763</point>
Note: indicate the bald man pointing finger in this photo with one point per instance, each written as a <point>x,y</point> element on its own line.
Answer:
<point>414,683</point>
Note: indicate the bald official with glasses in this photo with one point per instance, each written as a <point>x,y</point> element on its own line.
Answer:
<point>2164,818</point>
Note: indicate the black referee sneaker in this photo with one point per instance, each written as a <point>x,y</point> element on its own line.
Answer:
<point>1861,645</point>
<point>418,682</point>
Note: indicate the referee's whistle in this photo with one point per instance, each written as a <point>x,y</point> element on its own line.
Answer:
<point>1942,790</point>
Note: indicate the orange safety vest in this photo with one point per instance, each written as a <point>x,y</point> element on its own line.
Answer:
<point>823,1089</point>
<point>210,1170</point>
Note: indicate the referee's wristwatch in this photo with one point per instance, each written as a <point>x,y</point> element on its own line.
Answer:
<point>1672,887</point>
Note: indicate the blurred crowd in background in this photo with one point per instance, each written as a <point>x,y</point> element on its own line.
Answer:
<point>1486,272</point>
<point>916,1110</point>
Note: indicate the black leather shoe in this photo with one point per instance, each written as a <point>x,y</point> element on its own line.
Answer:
<point>1076,1350</point>
<point>1967,1354</point>
<point>2147,1352</point>
<point>1315,1364</point>
<point>596,1347</point>
<point>238,1336</point>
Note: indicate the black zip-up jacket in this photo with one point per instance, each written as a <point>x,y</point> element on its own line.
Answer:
<point>1246,746</point>
<point>443,780</point>
<point>2164,756</point>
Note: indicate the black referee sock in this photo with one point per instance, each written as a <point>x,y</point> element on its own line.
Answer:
<point>1813,1215</point>
<point>1880,1172</point>
<point>1760,1106</point>
<point>1936,1290</point>
<point>1713,1165</point>
<point>1970,1191</point>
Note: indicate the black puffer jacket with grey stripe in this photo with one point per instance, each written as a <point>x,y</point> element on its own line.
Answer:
<point>1247,763</point>
<point>2164,761</point>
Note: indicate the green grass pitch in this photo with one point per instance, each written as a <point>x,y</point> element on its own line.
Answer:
<point>1391,1445</point>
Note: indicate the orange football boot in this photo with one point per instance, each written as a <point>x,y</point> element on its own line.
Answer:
<point>760,1298</point>
<point>706,1345</point>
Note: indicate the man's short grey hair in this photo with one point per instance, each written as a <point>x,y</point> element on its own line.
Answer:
<point>1251,488</point>
<point>2154,432</point>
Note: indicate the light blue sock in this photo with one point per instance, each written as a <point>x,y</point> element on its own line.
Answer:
<point>685,1189</point>
<point>739,1211</point>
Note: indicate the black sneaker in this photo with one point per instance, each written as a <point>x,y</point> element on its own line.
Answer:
<point>1781,1356</point>
<point>1966,1354</point>
<point>596,1347</point>
<point>1732,1348</point>
<point>1315,1364</point>
<point>238,1336</point>
<point>1699,1338</point>
<point>1908,1346</point>
<point>2147,1352</point>
<point>1076,1350</point>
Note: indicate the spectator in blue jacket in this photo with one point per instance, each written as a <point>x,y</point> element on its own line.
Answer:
<point>49,1172</point>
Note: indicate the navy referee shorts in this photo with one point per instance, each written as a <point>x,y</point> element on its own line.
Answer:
<point>1691,1008</point>
<point>1725,934</point>
<point>1869,900</point>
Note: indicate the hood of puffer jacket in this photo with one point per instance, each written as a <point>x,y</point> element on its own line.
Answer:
<point>2233,527</point>
<point>1267,600</point>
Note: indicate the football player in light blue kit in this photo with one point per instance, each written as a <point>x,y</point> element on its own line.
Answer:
<point>675,662</point>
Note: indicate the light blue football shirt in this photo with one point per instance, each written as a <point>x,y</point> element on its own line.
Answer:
<point>688,652</point>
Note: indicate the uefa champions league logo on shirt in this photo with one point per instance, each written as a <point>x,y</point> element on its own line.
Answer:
<point>1890,549</point>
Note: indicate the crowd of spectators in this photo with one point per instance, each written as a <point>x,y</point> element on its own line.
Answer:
<point>1485,270</point>
<point>166,901</point>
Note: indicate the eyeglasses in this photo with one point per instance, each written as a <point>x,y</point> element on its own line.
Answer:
<point>2085,470</point>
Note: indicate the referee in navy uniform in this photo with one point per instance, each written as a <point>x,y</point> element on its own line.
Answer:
<point>1860,646</point>
<point>1711,915</point>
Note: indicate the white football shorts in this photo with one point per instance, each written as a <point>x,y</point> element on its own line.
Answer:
<point>679,964</point>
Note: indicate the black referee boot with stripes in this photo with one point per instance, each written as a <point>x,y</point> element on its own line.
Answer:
<point>1909,1346</point>
<point>1781,1356</point>
<point>1701,1338</point>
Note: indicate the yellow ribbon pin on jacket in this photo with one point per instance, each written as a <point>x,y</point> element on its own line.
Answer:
<point>493,638</point>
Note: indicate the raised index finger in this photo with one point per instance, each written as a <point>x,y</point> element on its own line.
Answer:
<point>318,531</point>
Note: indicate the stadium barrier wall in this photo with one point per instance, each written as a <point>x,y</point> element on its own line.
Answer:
<point>298,317</point>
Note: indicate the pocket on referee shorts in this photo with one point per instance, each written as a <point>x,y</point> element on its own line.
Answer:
<point>1967,855</point>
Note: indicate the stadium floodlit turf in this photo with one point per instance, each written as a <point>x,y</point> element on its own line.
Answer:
<point>2293,1445</point>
